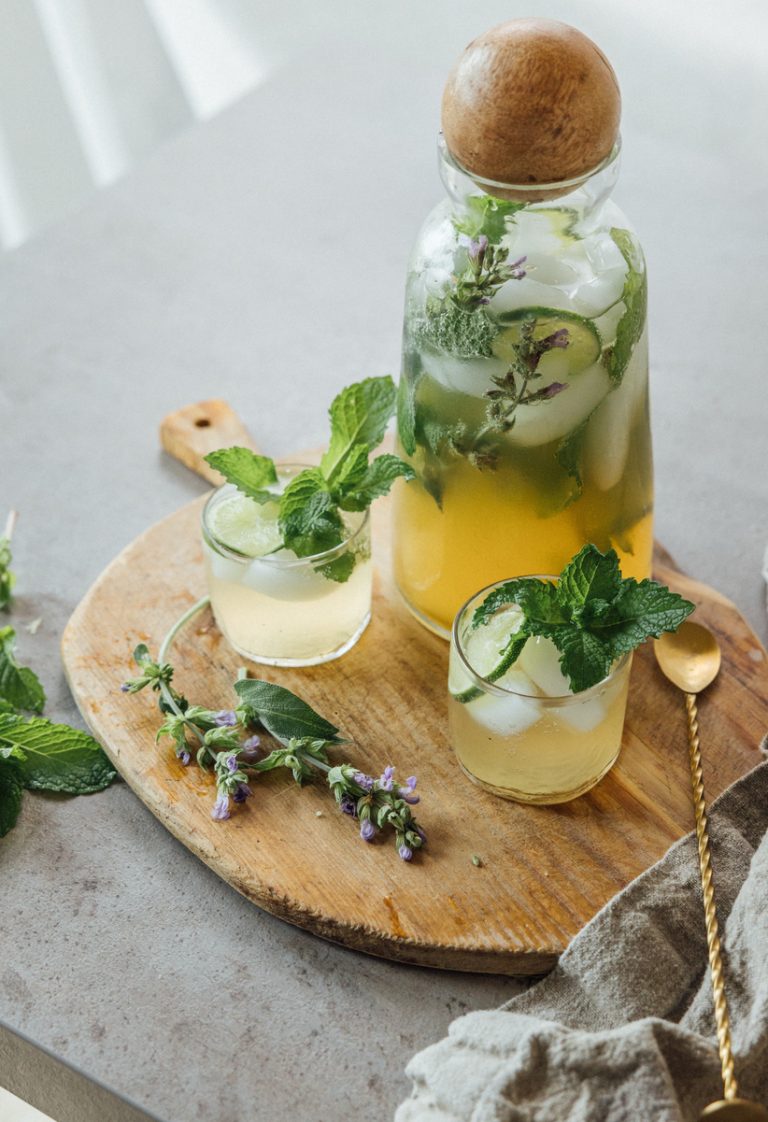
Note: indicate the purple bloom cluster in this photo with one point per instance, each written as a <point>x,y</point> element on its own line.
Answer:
<point>221,808</point>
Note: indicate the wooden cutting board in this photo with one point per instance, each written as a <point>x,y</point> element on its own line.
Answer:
<point>545,870</point>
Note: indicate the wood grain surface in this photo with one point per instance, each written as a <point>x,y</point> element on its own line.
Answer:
<point>545,872</point>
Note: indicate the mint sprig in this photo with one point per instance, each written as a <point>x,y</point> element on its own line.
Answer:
<point>19,686</point>
<point>34,752</point>
<point>485,215</point>
<point>591,613</point>
<point>635,297</point>
<point>347,479</point>
<point>54,757</point>
<point>251,474</point>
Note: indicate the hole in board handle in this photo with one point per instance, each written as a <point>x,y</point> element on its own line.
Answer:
<point>202,423</point>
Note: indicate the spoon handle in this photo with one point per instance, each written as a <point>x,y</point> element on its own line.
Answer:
<point>713,937</point>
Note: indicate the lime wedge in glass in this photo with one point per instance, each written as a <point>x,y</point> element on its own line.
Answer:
<point>489,651</point>
<point>247,527</point>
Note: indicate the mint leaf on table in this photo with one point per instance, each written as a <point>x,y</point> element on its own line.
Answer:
<point>250,473</point>
<point>635,297</point>
<point>486,216</point>
<point>282,713</point>
<point>592,614</point>
<point>11,792</point>
<point>19,686</point>
<point>359,416</point>
<point>55,757</point>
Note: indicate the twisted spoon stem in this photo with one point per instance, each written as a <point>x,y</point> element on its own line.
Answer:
<point>722,1018</point>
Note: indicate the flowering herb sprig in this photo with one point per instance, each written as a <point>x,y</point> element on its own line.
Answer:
<point>228,742</point>
<point>486,271</point>
<point>512,388</point>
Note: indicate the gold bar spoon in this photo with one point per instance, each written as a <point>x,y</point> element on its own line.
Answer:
<point>690,658</point>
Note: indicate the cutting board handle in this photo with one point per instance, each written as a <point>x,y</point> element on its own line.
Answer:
<point>191,433</point>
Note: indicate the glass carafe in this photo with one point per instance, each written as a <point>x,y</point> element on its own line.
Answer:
<point>523,402</point>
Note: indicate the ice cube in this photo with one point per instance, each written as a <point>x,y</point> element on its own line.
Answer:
<point>505,716</point>
<point>469,376</point>
<point>545,421</point>
<point>529,293</point>
<point>540,660</point>
<point>287,581</point>
<point>607,440</point>
<point>224,568</point>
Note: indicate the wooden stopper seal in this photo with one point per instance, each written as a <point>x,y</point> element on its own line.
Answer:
<point>532,101</point>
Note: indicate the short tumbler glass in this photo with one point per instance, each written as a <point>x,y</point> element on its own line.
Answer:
<point>285,610</point>
<point>525,736</point>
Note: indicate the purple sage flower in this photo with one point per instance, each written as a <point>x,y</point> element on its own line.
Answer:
<point>348,805</point>
<point>364,781</point>
<point>558,339</point>
<point>221,808</point>
<point>553,389</point>
<point>250,748</point>
<point>183,755</point>
<point>386,780</point>
<point>477,247</point>
<point>232,764</point>
<point>242,793</point>
<point>225,718</point>
<point>405,852</point>
<point>517,272</point>
<point>125,688</point>
<point>367,830</point>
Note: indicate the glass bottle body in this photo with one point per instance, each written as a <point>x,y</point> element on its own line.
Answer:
<point>523,404</point>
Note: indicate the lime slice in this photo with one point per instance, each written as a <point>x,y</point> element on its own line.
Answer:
<point>246,526</point>
<point>488,651</point>
<point>584,342</point>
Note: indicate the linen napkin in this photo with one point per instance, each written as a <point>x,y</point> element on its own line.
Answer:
<point>623,1028</point>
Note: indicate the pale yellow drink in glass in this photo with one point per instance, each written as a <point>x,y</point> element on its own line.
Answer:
<point>526,736</point>
<point>272,606</point>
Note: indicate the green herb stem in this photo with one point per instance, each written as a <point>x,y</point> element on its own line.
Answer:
<point>165,646</point>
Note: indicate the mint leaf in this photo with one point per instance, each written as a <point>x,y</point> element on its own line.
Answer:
<point>250,473</point>
<point>309,519</point>
<point>340,569</point>
<point>18,684</point>
<point>584,658</point>
<point>635,297</point>
<point>406,414</point>
<point>486,215</point>
<point>537,599</point>
<point>7,578</point>
<point>359,415</point>
<point>639,611</point>
<point>11,793</point>
<point>283,713</point>
<point>379,476</point>
<point>56,757</point>
<point>591,614</point>
<point>465,334</point>
<point>590,575</point>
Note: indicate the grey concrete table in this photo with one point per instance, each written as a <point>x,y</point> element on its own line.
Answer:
<point>261,258</point>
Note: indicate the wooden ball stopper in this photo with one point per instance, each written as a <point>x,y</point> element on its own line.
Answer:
<point>531,101</point>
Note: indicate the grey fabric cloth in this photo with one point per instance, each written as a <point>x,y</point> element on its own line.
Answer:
<point>623,1028</point>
